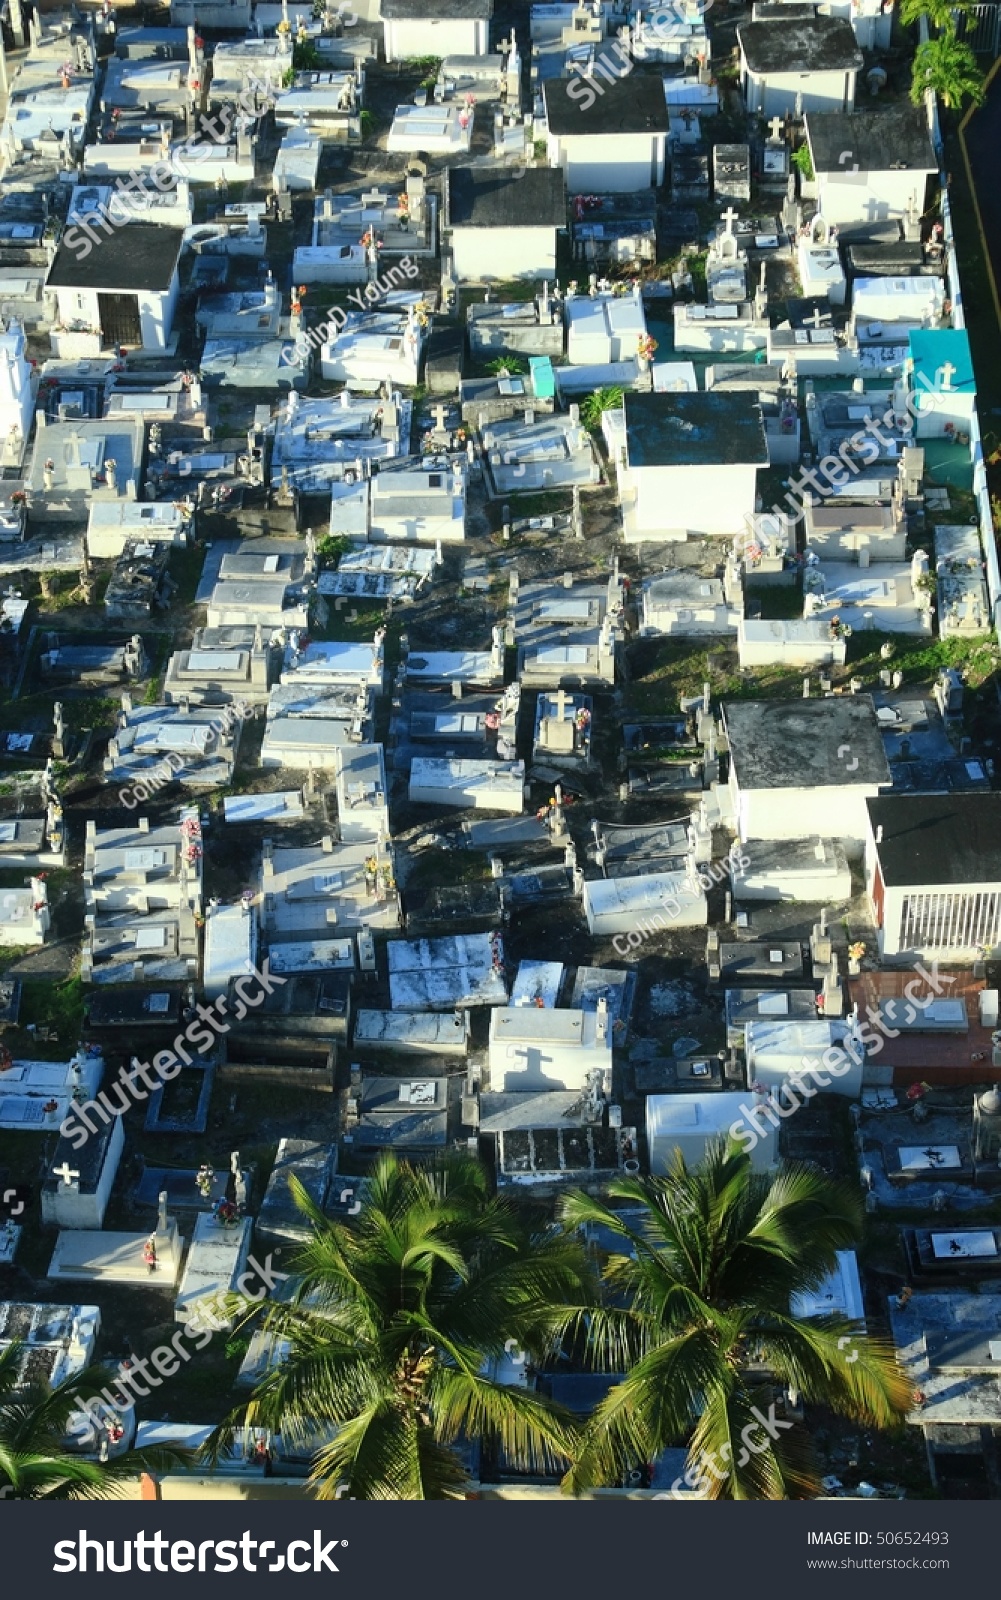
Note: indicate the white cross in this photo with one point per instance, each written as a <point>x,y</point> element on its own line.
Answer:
<point>730,217</point>
<point>816,319</point>
<point>775,129</point>
<point>945,375</point>
<point>65,1172</point>
<point>374,200</point>
<point>440,414</point>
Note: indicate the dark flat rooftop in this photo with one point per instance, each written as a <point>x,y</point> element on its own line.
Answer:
<point>436,8</point>
<point>87,1160</point>
<point>805,744</point>
<point>938,838</point>
<point>634,104</point>
<point>799,44</point>
<point>875,141</point>
<point>138,257</point>
<point>694,429</point>
<point>534,197</point>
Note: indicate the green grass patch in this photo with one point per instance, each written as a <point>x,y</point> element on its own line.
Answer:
<point>55,1005</point>
<point>780,603</point>
<point>920,660</point>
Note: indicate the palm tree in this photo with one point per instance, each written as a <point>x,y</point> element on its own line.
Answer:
<point>949,68</point>
<point>701,1326</point>
<point>941,14</point>
<point>391,1320</point>
<point>35,1463</point>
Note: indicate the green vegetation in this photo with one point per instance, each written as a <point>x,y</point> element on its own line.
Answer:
<point>594,406</point>
<point>941,14</point>
<point>394,1320</point>
<point>949,68</point>
<point>34,1461</point>
<point>803,164</point>
<point>780,603</point>
<point>699,1321</point>
<point>331,547</point>
<point>696,266</point>
<point>59,1006</point>
<point>507,366</point>
<point>921,660</point>
<point>663,671</point>
<point>306,57</point>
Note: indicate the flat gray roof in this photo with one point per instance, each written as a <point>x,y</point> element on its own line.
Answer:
<point>806,744</point>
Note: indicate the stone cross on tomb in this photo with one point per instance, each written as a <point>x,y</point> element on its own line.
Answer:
<point>161,1211</point>
<point>775,130</point>
<point>730,217</point>
<point>440,415</point>
<point>375,200</point>
<point>816,320</point>
<point>945,374</point>
<point>67,1173</point>
<point>561,704</point>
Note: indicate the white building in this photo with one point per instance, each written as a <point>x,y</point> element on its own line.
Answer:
<point>362,796</point>
<point>24,914</point>
<point>789,65</point>
<point>142,868</point>
<point>689,464</point>
<point>933,872</point>
<point>435,27</point>
<point>796,643</point>
<point>17,392</point>
<point>121,290</point>
<point>649,902</point>
<point>479,785</point>
<point>504,224</point>
<point>415,504</point>
<point>887,310</point>
<point>800,769</point>
<point>778,1050</point>
<point>78,1184</point>
<point>326,891</point>
<point>230,945</point>
<point>604,328</point>
<point>63,1336</point>
<point>607,137</point>
<point>686,1124</point>
<point>839,1294</point>
<point>79,463</point>
<point>376,346</point>
<point>37,1095</point>
<point>871,166</point>
<point>533,1049</point>
<point>113,523</point>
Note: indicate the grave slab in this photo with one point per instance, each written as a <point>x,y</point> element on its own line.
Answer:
<point>216,1260</point>
<point>117,1258</point>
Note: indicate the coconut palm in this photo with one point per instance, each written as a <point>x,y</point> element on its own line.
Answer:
<point>942,15</point>
<point>391,1320</point>
<point>949,68</point>
<point>700,1323</point>
<point>35,1463</point>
